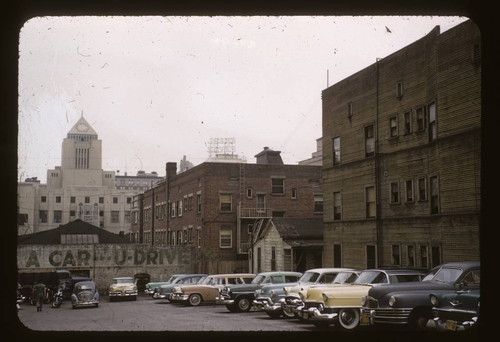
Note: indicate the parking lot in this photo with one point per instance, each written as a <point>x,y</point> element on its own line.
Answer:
<point>147,314</point>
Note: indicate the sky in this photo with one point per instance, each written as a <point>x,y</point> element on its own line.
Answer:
<point>156,88</point>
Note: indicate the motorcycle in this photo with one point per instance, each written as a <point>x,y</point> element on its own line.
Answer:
<point>57,298</point>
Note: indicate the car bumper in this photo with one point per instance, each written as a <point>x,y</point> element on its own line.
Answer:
<point>385,316</point>
<point>122,294</point>
<point>149,292</point>
<point>314,314</point>
<point>291,305</point>
<point>447,325</point>
<point>157,295</point>
<point>84,303</point>
<point>266,304</point>
<point>224,300</point>
<point>179,297</point>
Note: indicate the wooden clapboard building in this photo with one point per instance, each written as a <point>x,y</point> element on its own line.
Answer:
<point>401,156</point>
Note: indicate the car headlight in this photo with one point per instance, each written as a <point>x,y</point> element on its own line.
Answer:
<point>392,301</point>
<point>434,300</point>
<point>363,301</point>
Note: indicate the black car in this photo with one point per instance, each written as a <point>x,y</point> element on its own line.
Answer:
<point>409,303</point>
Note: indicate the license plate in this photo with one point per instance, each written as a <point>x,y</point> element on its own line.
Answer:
<point>451,325</point>
<point>305,315</point>
<point>365,319</point>
<point>84,298</point>
<point>288,309</point>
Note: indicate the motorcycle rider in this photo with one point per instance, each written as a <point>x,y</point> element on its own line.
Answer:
<point>41,292</point>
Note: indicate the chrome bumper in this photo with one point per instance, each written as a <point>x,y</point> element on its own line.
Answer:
<point>122,294</point>
<point>313,314</point>
<point>223,300</point>
<point>450,325</point>
<point>266,304</point>
<point>179,297</point>
<point>86,303</point>
<point>292,306</point>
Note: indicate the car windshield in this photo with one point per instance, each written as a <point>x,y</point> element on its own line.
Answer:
<point>309,277</point>
<point>345,277</point>
<point>371,277</point>
<point>202,280</point>
<point>447,275</point>
<point>404,278</point>
<point>259,279</point>
<point>122,281</point>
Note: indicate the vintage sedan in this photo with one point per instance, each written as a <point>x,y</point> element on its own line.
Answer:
<point>164,291</point>
<point>152,286</point>
<point>324,305</point>
<point>240,297</point>
<point>408,304</point>
<point>456,310</point>
<point>122,287</point>
<point>85,294</point>
<point>291,299</point>
<point>208,291</point>
<point>269,297</point>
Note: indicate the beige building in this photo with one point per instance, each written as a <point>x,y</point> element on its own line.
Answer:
<point>78,189</point>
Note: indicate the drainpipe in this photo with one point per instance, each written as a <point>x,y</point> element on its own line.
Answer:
<point>378,219</point>
<point>153,216</point>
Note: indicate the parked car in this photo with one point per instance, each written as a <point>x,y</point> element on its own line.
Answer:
<point>324,305</point>
<point>291,299</point>
<point>455,310</point>
<point>164,291</point>
<point>208,291</point>
<point>85,294</point>
<point>122,287</point>
<point>409,303</point>
<point>240,297</point>
<point>150,287</point>
<point>268,299</point>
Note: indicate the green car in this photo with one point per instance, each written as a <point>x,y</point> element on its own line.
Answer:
<point>151,287</point>
<point>240,297</point>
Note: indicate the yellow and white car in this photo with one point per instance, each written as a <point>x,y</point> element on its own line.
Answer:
<point>324,305</point>
<point>122,287</point>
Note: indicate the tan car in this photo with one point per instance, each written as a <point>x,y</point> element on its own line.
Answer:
<point>208,290</point>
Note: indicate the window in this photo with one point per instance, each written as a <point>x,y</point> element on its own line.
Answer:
<point>395,255</point>
<point>278,186</point>
<point>249,193</point>
<point>58,199</point>
<point>407,122</point>
<point>399,90</point>
<point>226,202</point>
<point>349,111</point>
<point>436,256</point>
<point>293,194</point>
<point>198,202</point>
<point>424,257</point>
<point>115,216</point>
<point>318,203</point>
<point>225,238</point>
<point>273,258</point>
<point>370,201</point>
<point>87,199</point>
<point>101,200</point>
<point>422,189</point>
<point>287,259</point>
<point>410,256</point>
<point>393,127</point>
<point>72,213</point>
<point>369,141</point>
<point>43,199</point>
<point>172,211</point>
<point>179,208</point>
<point>337,255</point>
<point>421,122</point>
<point>57,216</point>
<point>190,202</point>
<point>336,150</point>
<point>42,216</point>
<point>179,237</point>
<point>115,200</point>
<point>409,190</point>
<point>129,200</point>
<point>72,199</point>
<point>432,122</point>
<point>185,203</point>
<point>337,206</point>
<point>127,216</point>
<point>433,181</point>
<point>261,203</point>
<point>259,260</point>
<point>394,192</point>
<point>371,256</point>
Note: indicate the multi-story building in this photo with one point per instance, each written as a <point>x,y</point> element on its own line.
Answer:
<point>78,189</point>
<point>214,206</point>
<point>401,163</point>
<point>141,182</point>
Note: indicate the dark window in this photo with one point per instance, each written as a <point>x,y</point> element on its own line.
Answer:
<point>43,199</point>
<point>336,150</point>
<point>337,255</point>
<point>434,195</point>
<point>369,141</point>
<point>278,186</point>
<point>370,256</point>
<point>72,199</point>
<point>396,258</point>
<point>87,199</point>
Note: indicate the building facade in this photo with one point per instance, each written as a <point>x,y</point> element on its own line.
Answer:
<point>214,206</point>
<point>78,189</point>
<point>402,156</point>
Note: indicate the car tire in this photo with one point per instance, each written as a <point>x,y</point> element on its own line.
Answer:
<point>418,319</point>
<point>288,314</point>
<point>348,318</point>
<point>194,299</point>
<point>274,314</point>
<point>243,304</point>
<point>97,305</point>
<point>231,308</point>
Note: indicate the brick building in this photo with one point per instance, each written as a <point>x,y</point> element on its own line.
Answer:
<point>215,205</point>
<point>401,156</point>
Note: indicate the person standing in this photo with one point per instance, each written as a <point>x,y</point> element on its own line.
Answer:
<point>41,292</point>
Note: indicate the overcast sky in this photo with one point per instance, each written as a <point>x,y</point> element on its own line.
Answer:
<point>157,88</point>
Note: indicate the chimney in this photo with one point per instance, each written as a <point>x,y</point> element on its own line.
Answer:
<point>268,156</point>
<point>171,169</point>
